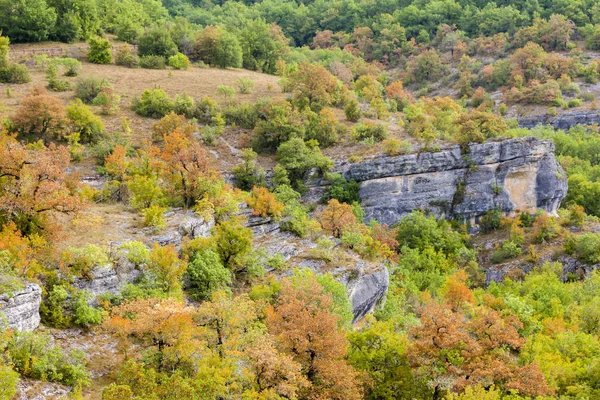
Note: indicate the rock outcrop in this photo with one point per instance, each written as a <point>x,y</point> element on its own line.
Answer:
<point>366,283</point>
<point>562,121</point>
<point>512,175</point>
<point>22,309</point>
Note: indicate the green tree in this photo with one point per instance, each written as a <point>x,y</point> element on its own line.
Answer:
<point>262,45</point>
<point>227,51</point>
<point>76,19</point>
<point>207,274</point>
<point>157,41</point>
<point>26,20</point>
<point>100,51</point>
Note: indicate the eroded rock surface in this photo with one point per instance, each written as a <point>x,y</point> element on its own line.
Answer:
<point>562,121</point>
<point>512,175</point>
<point>22,309</point>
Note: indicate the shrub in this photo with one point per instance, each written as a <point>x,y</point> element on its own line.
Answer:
<point>351,110</point>
<point>55,84</point>
<point>322,127</point>
<point>157,42</point>
<point>245,115</point>
<point>184,105</point>
<point>72,66</point>
<point>245,85</point>
<point>145,192</point>
<point>88,89</point>
<point>100,51</point>
<point>227,92</point>
<point>154,217</point>
<point>14,73</point>
<point>585,248</point>
<point>545,228</point>
<point>369,131</point>
<point>136,252</point>
<point>126,58</point>
<point>84,315</point>
<point>248,174</point>
<point>153,103</point>
<point>205,110</point>
<point>298,158</point>
<point>108,100</point>
<point>574,103</point>
<point>168,124</point>
<point>81,261</point>
<point>492,220</point>
<point>179,61</point>
<point>264,204</point>
<point>152,62</point>
<point>84,123</point>
<point>509,250</point>
<point>207,274</point>
<point>343,190</point>
<point>34,356</point>
<point>394,147</point>
<point>40,115</point>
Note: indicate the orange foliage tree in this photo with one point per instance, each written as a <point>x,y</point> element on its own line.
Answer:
<point>336,217</point>
<point>185,168</point>
<point>40,116</point>
<point>313,85</point>
<point>453,350</point>
<point>305,328</point>
<point>264,204</point>
<point>33,183</point>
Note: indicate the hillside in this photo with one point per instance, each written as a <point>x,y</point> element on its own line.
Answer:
<point>299,200</point>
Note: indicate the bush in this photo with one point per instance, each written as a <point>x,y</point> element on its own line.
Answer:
<point>205,110</point>
<point>179,61</point>
<point>491,221</point>
<point>126,58</point>
<point>136,252</point>
<point>152,62</point>
<point>40,116</point>
<point>168,124</point>
<point>585,248</point>
<point>264,204</point>
<point>153,103</point>
<point>545,228</point>
<point>574,103</point>
<point>369,131</point>
<point>248,174</point>
<point>343,190</point>
<point>72,66</point>
<point>157,42</point>
<point>154,217</point>
<point>34,356</point>
<point>108,100</point>
<point>322,127</point>
<point>84,123</point>
<point>184,105</point>
<point>89,88</point>
<point>351,111</point>
<point>14,73</point>
<point>55,84</point>
<point>245,85</point>
<point>207,274</point>
<point>227,92</point>
<point>297,159</point>
<point>84,314</point>
<point>100,51</point>
<point>245,115</point>
<point>82,260</point>
<point>395,147</point>
<point>509,250</point>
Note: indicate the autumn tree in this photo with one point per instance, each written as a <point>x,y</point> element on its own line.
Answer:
<point>453,352</point>
<point>163,326</point>
<point>40,116</point>
<point>166,266</point>
<point>336,217</point>
<point>186,168</point>
<point>33,184</point>
<point>264,204</point>
<point>171,123</point>
<point>313,86</point>
<point>304,327</point>
<point>233,242</point>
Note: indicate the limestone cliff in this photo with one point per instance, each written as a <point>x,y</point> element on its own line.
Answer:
<point>562,121</point>
<point>22,309</point>
<point>512,175</point>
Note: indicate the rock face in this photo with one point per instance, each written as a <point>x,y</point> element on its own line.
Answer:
<point>366,284</point>
<point>367,291</point>
<point>562,121</point>
<point>513,175</point>
<point>22,310</point>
